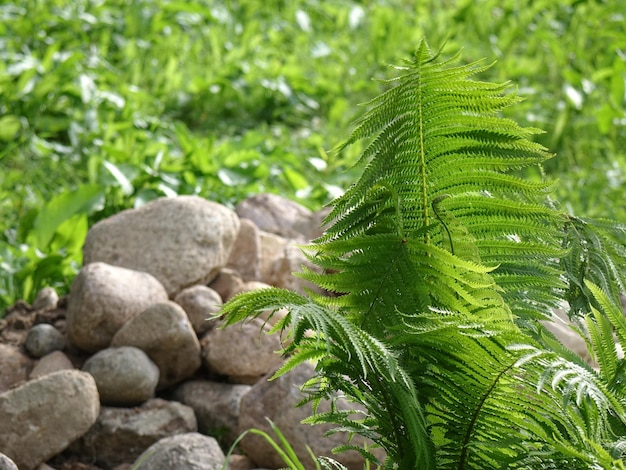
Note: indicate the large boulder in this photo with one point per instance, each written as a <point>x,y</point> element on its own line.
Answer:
<point>166,335</point>
<point>42,417</point>
<point>120,435</point>
<point>277,401</point>
<point>182,241</point>
<point>103,298</point>
<point>190,451</point>
<point>124,375</point>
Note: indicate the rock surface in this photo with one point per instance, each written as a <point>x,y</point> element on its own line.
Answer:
<point>14,365</point>
<point>165,334</point>
<point>120,435</point>
<point>66,402</point>
<point>200,303</point>
<point>124,375</point>
<point>103,298</point>
<point>182,241</point>
<point>245,255</point>
<point>276,400</point>
<point>53,362</point>
<point>276,214</point>
<point>216,406</point>
<point>190,451</point>
<point>241,351</point>
<point>6,463</point>
<point>42,339</point>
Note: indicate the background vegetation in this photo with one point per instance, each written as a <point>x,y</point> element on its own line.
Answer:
<point>107,105</point>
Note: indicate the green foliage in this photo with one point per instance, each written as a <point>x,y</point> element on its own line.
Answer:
<point>156,98</point>
<point>284,449</point>
<point>441,260</point>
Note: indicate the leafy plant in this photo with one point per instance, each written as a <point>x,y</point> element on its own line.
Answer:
<point>442,260</point>
<point>284,449</point>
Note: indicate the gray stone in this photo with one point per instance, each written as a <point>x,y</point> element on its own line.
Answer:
<point>53,362</point>
<point>272,251</point>
<point>120,435</point>
<point>246,253</point>
<point>276,214</point>
<point>191,451</point>
<point>42,417</point>
<point>216,406</point>
<point>240,462</point>
<point>14,366</point>
<point>124,375</point>
<point>227,281</point>
<point>165,334</point>
<point>47,298</point>
<point>241,350</point>
<point>200,303</point>
<point>182,241</point>
<point>277,401</point>
<point>6,463</point>
<point>103,298</point>
<point>42,339</point>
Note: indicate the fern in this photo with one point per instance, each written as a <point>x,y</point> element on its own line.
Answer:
<point>442,257</point>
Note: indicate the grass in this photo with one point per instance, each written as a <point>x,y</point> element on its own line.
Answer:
<point>108,105</point>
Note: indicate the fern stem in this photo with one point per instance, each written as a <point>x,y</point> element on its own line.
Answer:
<point>422,159</point>
<point>470,428</point>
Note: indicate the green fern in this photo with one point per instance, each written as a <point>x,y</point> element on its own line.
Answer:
<point>442,258</point>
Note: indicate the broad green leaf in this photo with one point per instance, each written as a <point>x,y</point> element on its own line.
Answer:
<point>85,199</point>
<point>10,125</point>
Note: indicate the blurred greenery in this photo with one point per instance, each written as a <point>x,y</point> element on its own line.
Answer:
<point>108,105</point>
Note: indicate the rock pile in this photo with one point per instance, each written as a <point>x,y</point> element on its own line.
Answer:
<point>128,371</point>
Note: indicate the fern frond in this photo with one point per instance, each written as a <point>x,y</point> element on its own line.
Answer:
<point>593,248</point>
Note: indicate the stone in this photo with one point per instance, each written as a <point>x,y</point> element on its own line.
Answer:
<point>53,362</point>
<point>120,435</point>
<point>246,252</point>
<point>165,334</point>
<point>190,451</point>
<point>14,367</point>
<point>277,401</point>
<point>276,214</point>
<point>216,406</point>
<point>103,298</point>
<point>47,298</point>
<point>200,303</point>
<point>64,402</point>
<point>42,339</point>
<point>561,327</point>
<point>272,251</point>
<point>227,281</point>
<point>240,462</point>
<point>182,241</point>
<point>6,463</point>
<point>241,350</point>
<point>124,375</point>
<point>283,269</point>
